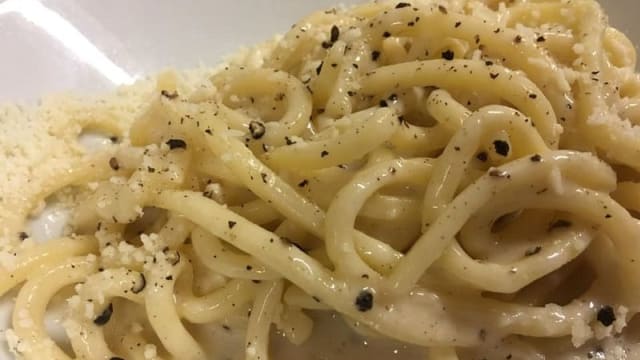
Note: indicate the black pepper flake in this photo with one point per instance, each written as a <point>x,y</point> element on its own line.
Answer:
<point>151,169</point>
<point>364,300</point>
<point>249,267</point>
<point>256,281</point>
<point>608,216</point>
<point>231,224</point>
<point>541,39</point>
<point>169,278</point>
<point>493,76</point>
<point>116,358</point>
<point>393,97</point>
<point>319,68</point>
<point>257,129</point>
<point>23,235</point>
<point>351,93</point>
<point>315,298</point>
<point>401,5</point>
<point>517,39</point>
<point>536,158</point>
<point>375,54</point>
<point>386,34</point>
<point>482,156</point>
<point>209,132</point>
<point>442,9</point>
<point>560,223</point>
<point>457,24</point>
<point>137,288</point>
<point>324,153</point>
<point>448,55</point>
<point>456,148</point>
<point>264,177</point>
<point>533,96</point>
<point>176,144</point>
<point>303,183</point>
<point>104,318</point>
<point>226,327</point>
<point>113,139</point>
<point>169,95</point>
<point>289,141</point>
<point>533,251</point>
<point>326,44</point>
<point>383,103</point>
<point>113,163</point>
<point>335,33</point>
<point>606,315</point>
<point>502,147</point>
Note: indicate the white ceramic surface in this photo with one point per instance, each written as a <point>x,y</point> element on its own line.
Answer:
<point>93,45</point>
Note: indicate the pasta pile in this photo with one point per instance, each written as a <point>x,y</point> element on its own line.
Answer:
<point>459,175</point>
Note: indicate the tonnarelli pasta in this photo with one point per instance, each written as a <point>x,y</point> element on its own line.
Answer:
<point>460,175</point>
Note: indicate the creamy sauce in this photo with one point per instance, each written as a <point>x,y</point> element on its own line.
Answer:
<point>331,339</point>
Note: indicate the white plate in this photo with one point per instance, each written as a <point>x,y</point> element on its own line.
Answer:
<point>93,45</point>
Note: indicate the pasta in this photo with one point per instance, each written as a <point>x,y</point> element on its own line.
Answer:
<point>462,176</point>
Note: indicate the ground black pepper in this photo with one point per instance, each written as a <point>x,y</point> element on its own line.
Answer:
<point>606,315</point>
<point>289,141</point>
<point>335,33</point>
<point>113,163</point>
<point>104,318</point>
<point>448,55</point>
<point>176,144</point>
<point>136,288</point>
<point>502,147</point>
<point>257,129</point>
<point>364,300</point>
<point>169,95</point>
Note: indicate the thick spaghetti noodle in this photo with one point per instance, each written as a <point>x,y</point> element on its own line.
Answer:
<point>462,176</point>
